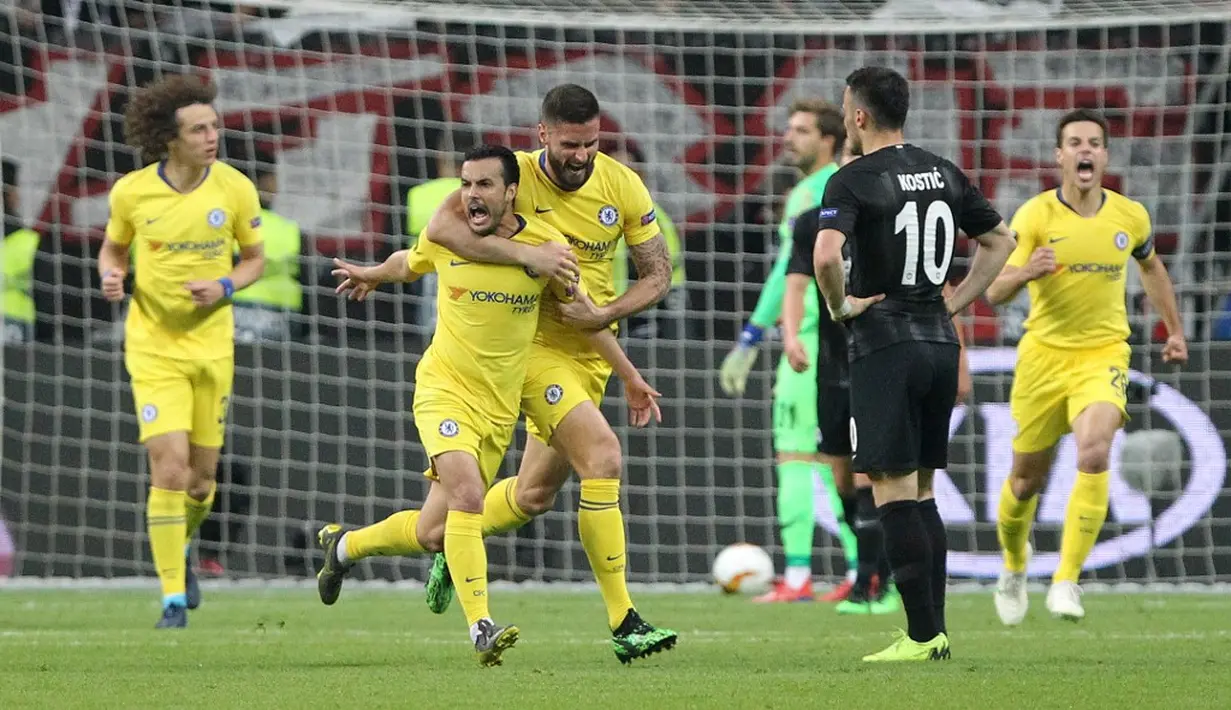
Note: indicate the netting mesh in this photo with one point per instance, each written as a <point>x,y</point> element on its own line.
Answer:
<point>350,106</point>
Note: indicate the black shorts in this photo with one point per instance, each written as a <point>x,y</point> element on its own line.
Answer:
<point>902,398</point>
<point>833,420</point>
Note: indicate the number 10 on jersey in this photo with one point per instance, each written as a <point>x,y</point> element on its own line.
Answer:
<point>938,236</point>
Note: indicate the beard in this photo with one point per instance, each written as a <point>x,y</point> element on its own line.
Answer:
<point>568,177</point>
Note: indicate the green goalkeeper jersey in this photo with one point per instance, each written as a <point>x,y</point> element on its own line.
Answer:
<point>804,196</point>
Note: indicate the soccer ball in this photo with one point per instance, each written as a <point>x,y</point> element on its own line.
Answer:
<point>743,569</point>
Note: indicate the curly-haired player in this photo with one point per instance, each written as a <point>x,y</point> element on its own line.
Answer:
<point>180,217</point>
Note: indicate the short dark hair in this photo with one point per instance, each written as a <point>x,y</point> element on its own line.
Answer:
<point>569,103</point>
<point>1080,115</point>
<point>828,119</point>
<point>882,92</point>
<point>509,168</point>
<point>150,122</point>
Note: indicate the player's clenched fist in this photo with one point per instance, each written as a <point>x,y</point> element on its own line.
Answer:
<point>1042,263</point>
<point>1176,350</point>
<point>113,285</point>
<point>555,261</point>
<point>205,293</point>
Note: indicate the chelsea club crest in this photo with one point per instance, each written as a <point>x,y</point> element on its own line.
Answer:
<point>217,218</point>
<point>1121,241</point>
<point>608,216</point>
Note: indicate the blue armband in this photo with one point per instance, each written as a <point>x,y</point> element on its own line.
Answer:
<point>751,335</point>
<point>228,286</point>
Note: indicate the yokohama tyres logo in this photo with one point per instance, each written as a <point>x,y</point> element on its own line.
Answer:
<point>1203,481</point>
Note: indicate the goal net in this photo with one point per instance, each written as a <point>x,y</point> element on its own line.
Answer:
<point>342,109</point>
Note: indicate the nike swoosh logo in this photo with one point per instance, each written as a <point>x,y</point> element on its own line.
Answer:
<point>610,558</point>
<point>455,262</point>
<point>540,210</point>
<point>151,221</point>
<point>472,579</point>
<point>1053,240</point>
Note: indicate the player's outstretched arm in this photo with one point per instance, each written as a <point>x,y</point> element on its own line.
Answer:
<point>642,398</point>
<point>989,260</point>
<point>448,228</point>
<point>113,260</point>
<point>1161,292</point>
<point>358,281</point>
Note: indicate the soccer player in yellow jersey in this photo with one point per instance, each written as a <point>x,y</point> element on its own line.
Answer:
<point>467,393</point>
<point>595,202</point>
<point>182,215</point>
<point>1073,247</point>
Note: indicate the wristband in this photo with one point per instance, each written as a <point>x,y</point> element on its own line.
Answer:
<point>751,335</point>
<point>228,286</point>
<point>843,312</point>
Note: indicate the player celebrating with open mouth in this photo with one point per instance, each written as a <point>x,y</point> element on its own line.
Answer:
<point>594,201</point>
<point>1073,246</point>
<point>467,390</point>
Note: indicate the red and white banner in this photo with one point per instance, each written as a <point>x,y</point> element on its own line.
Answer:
<point>352,127</point>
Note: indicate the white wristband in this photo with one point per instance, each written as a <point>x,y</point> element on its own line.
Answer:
<point>843,312</point>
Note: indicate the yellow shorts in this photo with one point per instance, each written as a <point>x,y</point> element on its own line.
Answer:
<point>556,383</point>
<point>1052,386</point>
<point>447,423</point>
<point>181,395</point>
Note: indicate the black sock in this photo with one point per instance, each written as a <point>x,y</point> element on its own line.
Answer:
<point>869,541</point>
<point>940,549</point>
<point>883,572</point>
<point>910,556</point>
<point>850,508</point>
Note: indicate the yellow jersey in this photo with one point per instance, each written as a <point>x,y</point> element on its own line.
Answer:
<point>176,238</point>
<point>1081,306</point>
<point>613,204</point>
<point>487,315</point>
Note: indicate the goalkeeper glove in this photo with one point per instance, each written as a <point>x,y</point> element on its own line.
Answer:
<point>733,376</point>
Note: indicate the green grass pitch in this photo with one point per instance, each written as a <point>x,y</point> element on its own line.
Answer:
<point>280,648</point>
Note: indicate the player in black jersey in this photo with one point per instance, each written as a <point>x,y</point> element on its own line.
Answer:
<point>871,593</point>
<point>899,209</point>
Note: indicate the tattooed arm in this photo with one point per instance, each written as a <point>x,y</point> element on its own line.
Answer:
<point>653,281</point>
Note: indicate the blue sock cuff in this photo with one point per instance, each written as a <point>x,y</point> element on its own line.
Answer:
<point>174,600</point>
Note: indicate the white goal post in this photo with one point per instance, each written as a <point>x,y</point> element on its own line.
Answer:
<point>351,104</point>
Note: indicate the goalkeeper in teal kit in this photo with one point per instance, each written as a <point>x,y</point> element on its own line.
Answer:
<point>815,136</point>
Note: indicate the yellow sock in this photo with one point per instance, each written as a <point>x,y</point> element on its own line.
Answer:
<point>601,527</point>
<point>198,510</point>
<point>500,511</point>
<point>1083,519</point>
<point>1013,526</point>
<point>468,562</point>
<point>392,537</point>
<point>167,523</point>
